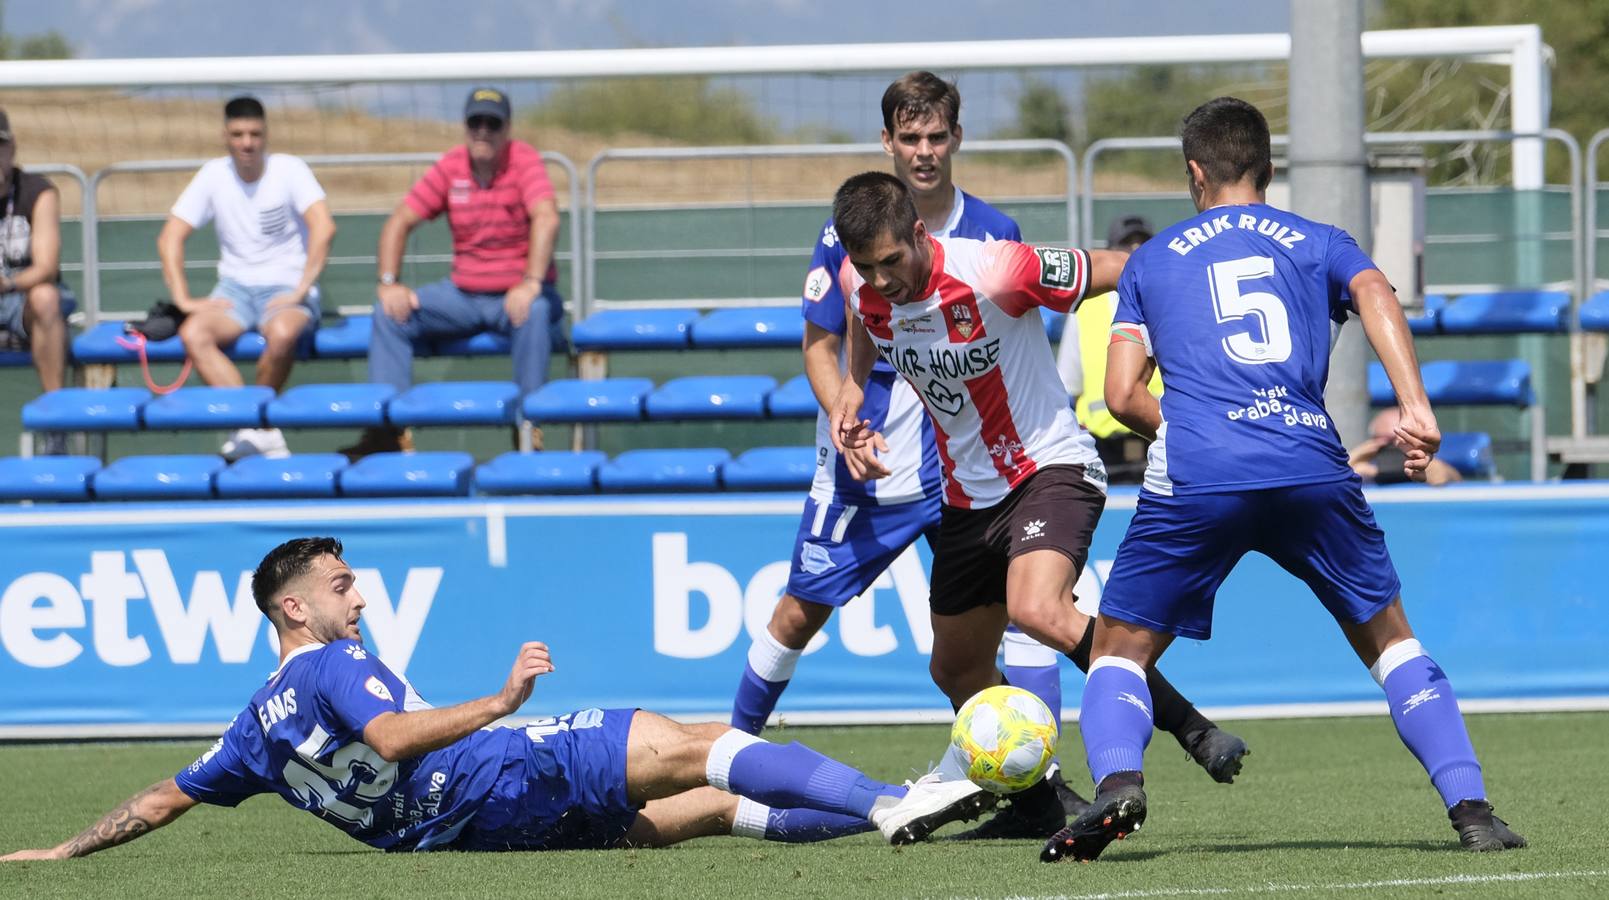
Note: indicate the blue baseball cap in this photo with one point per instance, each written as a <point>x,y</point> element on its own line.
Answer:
<point>487,101</point>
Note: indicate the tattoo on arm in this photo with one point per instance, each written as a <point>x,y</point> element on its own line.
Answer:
<point>119,826</point>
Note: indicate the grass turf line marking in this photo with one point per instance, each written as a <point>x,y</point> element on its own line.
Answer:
<point>1336,886</point>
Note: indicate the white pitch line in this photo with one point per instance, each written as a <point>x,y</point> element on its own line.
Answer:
<point>1502,878</point>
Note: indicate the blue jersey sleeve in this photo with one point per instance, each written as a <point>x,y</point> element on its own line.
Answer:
<point>823,303</point>
<point>354,687</point>
<point>1128,294</point>
<point>1342,262</point>
<point>220,776</point>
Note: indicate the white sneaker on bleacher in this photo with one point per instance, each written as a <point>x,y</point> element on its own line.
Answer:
<point>269,442</point>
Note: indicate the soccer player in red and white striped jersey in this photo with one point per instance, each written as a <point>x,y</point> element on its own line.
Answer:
<point>1023,486</point>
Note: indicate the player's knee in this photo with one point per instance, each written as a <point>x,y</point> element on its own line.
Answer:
<point>959,678</point>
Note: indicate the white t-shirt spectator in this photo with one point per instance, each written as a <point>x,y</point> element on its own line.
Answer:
<point>262,235</point>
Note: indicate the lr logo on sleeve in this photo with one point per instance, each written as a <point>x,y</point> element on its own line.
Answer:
<point>1055,267</point>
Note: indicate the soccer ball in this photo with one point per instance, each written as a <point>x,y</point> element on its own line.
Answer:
<point>1007,737</point>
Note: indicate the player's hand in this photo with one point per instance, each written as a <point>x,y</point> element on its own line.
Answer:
<point>849,431</point>
<point>533,660</point>
<point>517,302</point>
<point>398,301</point>
<point>863,463</point>
<point>1419,439</point>
<point>43,853</point>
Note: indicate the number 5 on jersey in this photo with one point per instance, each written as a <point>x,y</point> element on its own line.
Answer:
<point>1231,305</point>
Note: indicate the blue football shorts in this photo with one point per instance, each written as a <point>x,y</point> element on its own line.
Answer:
<point>841,549</point>
<point>1178,550</point>
<point>568,792</point>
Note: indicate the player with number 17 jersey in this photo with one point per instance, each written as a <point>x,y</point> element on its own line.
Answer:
<point>1238,306</point>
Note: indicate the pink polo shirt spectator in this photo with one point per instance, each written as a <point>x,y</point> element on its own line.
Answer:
<point>490,225</point>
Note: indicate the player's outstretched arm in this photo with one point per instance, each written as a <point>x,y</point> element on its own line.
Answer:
<point>1387,330</point>
<point>820,349</point>
<point>404,735</point>
<point>1128,392</point>
<point>849,431</point>
<point>150,809</point>
<point>1105,267</point>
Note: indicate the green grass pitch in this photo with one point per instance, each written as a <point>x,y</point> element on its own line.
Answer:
<point>1326,807</point>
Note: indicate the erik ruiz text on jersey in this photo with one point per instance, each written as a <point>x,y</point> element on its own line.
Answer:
<point>1195,236</point>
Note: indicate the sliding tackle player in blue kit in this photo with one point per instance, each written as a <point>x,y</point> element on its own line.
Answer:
<point>336,733</point>
<point>1237,307</point>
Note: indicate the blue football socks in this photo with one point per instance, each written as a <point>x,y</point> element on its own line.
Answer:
<point>792,775</point>
<point>793,826</point>
<point>1033,667</point>
<point>1115,719</point>
<point>1426,714</point>
<point>765,677</point>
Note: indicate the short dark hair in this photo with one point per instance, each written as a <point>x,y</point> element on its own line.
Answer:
<point>286,563</point>
<point>920,93</point>
<point>244,107</point>
<point>1228,138</point>
<point>868,205</point>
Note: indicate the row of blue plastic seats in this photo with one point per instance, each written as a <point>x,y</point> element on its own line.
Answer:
<point>464,403</point>
<point>435,474</point>
<point>1508,312</point>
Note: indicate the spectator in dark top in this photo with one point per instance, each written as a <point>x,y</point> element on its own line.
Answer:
<point>504,220</point>
<point>31,289</point>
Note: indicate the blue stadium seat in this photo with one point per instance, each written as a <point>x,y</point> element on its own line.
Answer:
<point>360,405</point>
<point>440,474</point>
<point>711,397</point>
<point>99,345</point>
<point>1429,321</point>
<point>208,407</point>
<point>1483,382</point>
<point>663,470</point>
<point>1595,312</point>
<point>347,339</point>
<point>46,477</point>
<point>548,472</point>
<point>298,475</point>
<point>1506,312</point>
<point>490,343</point>
<point>1470,452</point>
<point>776,326</point>
<point>598,400</point>
<point>771,469</point>
<point>187,477</point>
<point>1055,323</point>
<point>456,403</point>
<point>794,400</point>
<point>634,329</point>
<point>85,409</point>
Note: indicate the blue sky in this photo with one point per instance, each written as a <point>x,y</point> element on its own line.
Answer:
<point>129,28</point>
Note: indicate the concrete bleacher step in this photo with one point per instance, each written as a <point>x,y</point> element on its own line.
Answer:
<point>549,472</point>
<point>435,474</point>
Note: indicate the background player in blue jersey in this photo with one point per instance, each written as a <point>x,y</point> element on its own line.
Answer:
<point>866,508</point>
<point>1236,307</point>
<point>338,734</point>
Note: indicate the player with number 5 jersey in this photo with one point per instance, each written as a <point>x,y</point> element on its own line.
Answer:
<point>1237,307</point>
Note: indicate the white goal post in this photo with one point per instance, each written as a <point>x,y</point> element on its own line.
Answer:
<point>1519,47</point>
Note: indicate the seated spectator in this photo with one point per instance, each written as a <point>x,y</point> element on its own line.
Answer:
<point>504,220</point>
<point>1081,359</point>
<point>32,293</point>
<point>1378,460</point>
<point>274,232</point>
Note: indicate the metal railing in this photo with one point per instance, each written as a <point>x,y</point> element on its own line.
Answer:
<point>593,302</point>
<point>92,261</point>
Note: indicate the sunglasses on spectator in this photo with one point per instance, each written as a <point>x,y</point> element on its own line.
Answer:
<point>484,123</point>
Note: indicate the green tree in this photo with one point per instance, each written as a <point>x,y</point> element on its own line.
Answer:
<point>688,109</point>
<point>49,45</point>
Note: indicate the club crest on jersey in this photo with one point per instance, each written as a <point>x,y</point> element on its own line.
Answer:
<point>1006,449</point>
<point>963,320</point>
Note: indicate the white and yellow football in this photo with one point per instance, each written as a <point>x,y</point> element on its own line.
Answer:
<point>1007,737</point>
